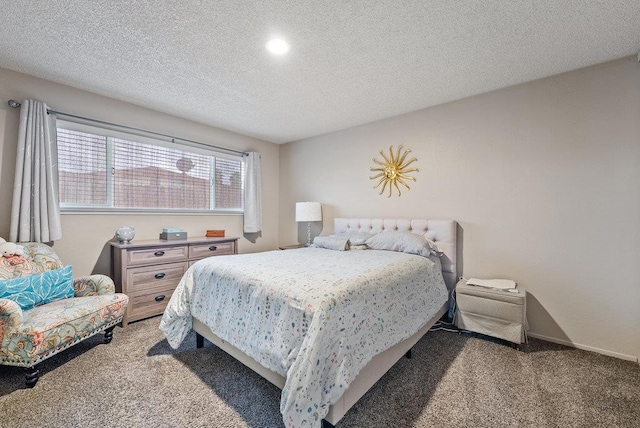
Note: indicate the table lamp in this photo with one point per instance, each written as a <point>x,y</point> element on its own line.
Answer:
<point>308,211</point>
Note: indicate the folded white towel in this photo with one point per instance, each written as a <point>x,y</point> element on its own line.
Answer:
<point>331,243</point>
<point>500,284</point>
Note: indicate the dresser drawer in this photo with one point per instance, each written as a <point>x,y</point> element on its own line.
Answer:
<point>157,255</point>
<point>148,303</point>
<point>160,276</point>
<point>200,251</point>
<point>148,270</point>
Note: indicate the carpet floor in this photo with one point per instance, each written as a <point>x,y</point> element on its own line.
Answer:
<point>452,381</point>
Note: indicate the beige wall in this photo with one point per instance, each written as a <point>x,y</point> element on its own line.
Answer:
<point>85,236</point>
<point>543,178</point>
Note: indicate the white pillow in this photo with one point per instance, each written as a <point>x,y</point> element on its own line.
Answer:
<point>331,243</point>
<point>355,238</point>
<point>405,242</point>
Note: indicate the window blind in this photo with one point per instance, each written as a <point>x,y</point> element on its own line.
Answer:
<point>99,170</point>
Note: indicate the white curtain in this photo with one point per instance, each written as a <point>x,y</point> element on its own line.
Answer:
<point>252,194</point>
<point>35,213</point>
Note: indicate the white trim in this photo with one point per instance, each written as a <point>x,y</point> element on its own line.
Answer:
<point>110,170</point>
<point>101,211</point>
<point>585,347</point>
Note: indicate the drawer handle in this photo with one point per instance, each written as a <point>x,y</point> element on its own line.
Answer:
<point>160,298</point>
<point>159,275</point>
<point>213,248</point>
<point>159,253</point>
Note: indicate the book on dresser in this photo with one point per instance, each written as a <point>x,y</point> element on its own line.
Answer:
<point>149,271</point>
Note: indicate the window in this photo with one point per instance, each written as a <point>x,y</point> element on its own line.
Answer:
<point>102,169</point>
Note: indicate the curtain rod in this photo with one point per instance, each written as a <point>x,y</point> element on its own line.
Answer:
<point>16,104</point>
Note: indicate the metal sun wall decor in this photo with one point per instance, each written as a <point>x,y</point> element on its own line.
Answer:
<point>393,170</point>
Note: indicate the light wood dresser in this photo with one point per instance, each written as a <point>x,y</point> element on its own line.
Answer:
<point>149,271</point>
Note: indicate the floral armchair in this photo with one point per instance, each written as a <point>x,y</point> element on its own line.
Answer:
<point>30,336</point>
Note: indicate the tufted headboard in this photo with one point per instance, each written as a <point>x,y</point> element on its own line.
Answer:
<point>442,232</point>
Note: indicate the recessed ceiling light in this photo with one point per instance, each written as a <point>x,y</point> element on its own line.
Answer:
<point>278,46</point>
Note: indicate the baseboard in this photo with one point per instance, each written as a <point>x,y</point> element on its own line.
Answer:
<point>585,347</point>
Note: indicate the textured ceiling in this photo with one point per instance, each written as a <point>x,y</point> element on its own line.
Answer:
<point>351,61</point>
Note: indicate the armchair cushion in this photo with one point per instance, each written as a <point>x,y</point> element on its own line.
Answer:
<point>38,289</point>
<point>48,329</point>
<point>93,285</point>
<point>38,258</point>
<point>15,266</point>
<point>10,316</point>
<point>41,256</point>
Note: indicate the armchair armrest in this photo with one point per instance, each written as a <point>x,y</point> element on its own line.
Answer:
<point>93,285</point>
<point>10,316</point>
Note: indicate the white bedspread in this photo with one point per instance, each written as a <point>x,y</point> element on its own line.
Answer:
<point>313,315</point>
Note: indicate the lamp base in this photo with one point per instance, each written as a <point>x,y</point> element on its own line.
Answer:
<point>308,234</point>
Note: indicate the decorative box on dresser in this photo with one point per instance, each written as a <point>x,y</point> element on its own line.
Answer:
<point>149,271</point>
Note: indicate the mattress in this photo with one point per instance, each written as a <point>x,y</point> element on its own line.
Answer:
<point>314,316</point>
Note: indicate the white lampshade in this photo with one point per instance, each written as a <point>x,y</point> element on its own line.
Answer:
<point>308,211</point>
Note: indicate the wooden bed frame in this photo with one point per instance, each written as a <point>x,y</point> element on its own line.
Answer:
<point>443,232</point>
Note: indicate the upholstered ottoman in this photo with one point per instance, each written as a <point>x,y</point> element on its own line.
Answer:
<point>496,313</point>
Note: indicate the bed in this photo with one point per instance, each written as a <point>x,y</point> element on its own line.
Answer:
<point>322,325</point>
